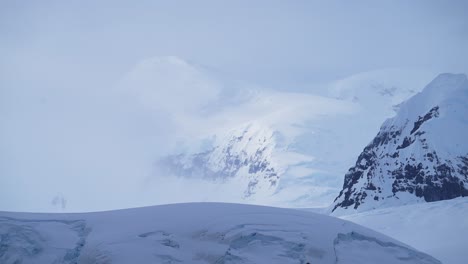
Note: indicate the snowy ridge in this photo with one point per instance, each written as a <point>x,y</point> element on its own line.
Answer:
<point>196,233</point>
<point>419,155</point>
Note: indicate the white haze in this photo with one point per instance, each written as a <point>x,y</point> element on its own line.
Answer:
<point>89,98</point>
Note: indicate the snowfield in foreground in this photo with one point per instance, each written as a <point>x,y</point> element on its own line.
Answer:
<point>196,233</point>
<point>438,228</point>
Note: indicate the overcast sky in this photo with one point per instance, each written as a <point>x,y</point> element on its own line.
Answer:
<point>270,42</point>
<point>78,107</point>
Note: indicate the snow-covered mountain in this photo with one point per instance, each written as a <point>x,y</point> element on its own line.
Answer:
<point>245,155</point>
<point>196,233</point>
<point>290,149</point>
<point>419,155</point>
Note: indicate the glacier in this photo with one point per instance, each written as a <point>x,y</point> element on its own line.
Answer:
<point>196,233</point>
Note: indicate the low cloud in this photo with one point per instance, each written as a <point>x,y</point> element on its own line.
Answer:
<point>105,140</point>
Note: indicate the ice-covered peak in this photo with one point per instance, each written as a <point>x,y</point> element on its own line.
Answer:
<point>448,90</point>
<point>446,81</point>
<point>419,155</point>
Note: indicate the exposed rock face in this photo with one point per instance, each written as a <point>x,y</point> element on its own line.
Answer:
<point>419,155</point>
<point>245,155</point>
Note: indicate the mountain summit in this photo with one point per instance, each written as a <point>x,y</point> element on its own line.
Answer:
<point>419,155</point>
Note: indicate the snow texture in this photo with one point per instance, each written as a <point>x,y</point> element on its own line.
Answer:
<point>244,154</point>
<point>438,228</point>
<point>196,233</point>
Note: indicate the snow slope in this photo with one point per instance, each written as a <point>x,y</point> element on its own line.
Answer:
<point>244,154</point>
<point>419,155</point>
<point>260,151</point>
<point>195,233</point>
<point>297,139</point>
<point>437,228</point>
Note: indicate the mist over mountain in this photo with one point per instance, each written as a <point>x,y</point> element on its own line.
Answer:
<point>288,149</point>
<point>233,132</point>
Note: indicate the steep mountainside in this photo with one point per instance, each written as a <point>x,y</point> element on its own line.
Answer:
<point>244,154</point>
<point>419,155</point>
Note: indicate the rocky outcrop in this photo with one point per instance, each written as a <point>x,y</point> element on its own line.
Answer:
<point>419,155</point>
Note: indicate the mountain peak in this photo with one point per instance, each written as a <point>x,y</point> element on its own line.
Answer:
<point>419,155</point>
<point>446,85</point>
<point>445,89</point>
<point>449,78</point>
